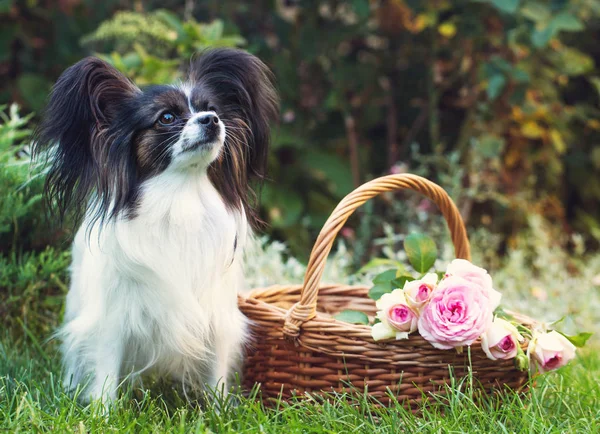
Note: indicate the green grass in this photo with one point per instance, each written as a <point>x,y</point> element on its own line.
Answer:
<point>31,400</point>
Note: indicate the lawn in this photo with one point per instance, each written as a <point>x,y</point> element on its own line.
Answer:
<point>31,400</point>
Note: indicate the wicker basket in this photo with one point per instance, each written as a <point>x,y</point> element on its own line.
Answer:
<point>297,347</point>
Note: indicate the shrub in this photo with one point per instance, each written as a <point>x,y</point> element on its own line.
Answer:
<point>32,275</point>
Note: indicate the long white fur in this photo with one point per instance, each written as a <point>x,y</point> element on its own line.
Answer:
<point>159,292</point>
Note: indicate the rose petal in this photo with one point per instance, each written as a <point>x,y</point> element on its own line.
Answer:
<point>381,331</point>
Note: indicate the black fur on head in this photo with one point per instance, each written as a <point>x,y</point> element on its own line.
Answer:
<point>84,103</point>
<point>104,138</point>
<point>243,85</point>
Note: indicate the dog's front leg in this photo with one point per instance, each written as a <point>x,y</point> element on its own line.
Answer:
<point>228,338</point>
<point>92,358</point>
<point>107,366</point>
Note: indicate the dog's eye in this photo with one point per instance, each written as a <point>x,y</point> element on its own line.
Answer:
<point>167,118</point>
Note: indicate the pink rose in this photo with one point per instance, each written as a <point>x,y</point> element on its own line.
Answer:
<point>477,275</point>
<point>456,315</point>
<point>401,318</point>
<point>501,340</point>
<point>397,318</point>
<point>418,292</point>
<point>550,351</point>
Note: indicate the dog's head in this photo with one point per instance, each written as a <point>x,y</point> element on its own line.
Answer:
<point>107,136</point>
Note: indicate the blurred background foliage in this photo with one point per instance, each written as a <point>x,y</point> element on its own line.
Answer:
<point>496,100</point>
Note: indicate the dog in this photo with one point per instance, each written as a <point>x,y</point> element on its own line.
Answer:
<point>158,181</point>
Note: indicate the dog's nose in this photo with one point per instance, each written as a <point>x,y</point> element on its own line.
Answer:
<point>207,119</point>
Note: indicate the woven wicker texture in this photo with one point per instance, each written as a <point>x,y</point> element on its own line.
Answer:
<point>298,347</point>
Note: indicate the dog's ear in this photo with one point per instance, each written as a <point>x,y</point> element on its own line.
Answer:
<point>249,104</point>
<point>83,103</point>
<point>247,86</point>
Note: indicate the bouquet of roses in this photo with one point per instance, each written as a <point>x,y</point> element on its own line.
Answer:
<point>457,308</point>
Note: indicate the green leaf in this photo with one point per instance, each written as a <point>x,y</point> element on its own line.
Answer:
<point>353,317</point>
<point>385,277</point>
<point>230,41</point>
<point>496,65</point>
<point>572,62</point>
<point>508,6</point>
<point>377,291</point>
<point>567,22</point>
<point>5,6</point>
<point>284,207</point>
<point>379,262</point>
<point>171,20</point>
<point>421,251</point>
<point>212,31</point>
<point>490,146</point>
<point>536,11</point>
<point>558,321</point>
<point>579,339</point>
<point>33,89</point>
<point>557,5</point>
<point>8,32</point>
<point>495,86</point>
<point>562,22</point>
<point>520,76</point>
<point>332,169</point>
<point>361,7</point>
<point>401,281</point>
<point>596,83</point>
<point>518,94</point>
<point>541,37</point>
<point>382,284</point>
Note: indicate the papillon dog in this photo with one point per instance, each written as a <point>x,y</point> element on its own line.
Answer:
<point>160,181</point>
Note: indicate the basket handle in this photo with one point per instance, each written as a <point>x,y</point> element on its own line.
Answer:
<point>306,308</point>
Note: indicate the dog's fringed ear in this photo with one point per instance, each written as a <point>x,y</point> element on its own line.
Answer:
<point>82,105</point>
<point>247,84</point>
<point>249,104</point>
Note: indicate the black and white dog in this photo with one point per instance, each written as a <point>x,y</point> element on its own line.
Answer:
<point>160,179</point>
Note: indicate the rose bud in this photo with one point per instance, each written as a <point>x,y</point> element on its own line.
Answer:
<point>501,340</point>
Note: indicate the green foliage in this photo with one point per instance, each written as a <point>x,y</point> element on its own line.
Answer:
<point>377,290</point>
<point>401,281</point>
<point>352,317</point>
<point>127,28</point>
<point>32,283</point>
<point>32,400</point>
<point>421,251</point>
<point>32,289</point>
<point>382,284</point>
<point>385,277</point>
<point>20,204</point>
<point>579,339</point>
<point>38,40</point>
<point>149,47</point>
<point>511,87</point>
<point>508,86</point>
<point>387,281</point>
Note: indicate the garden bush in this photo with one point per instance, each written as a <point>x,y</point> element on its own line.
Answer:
<point>507,91</point>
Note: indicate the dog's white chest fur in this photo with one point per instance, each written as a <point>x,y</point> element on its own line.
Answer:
<point>158,291</point>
